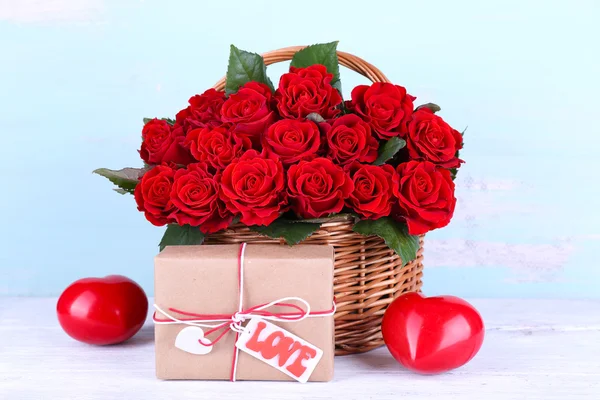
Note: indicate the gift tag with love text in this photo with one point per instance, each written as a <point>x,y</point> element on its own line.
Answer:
<point>279,348</point>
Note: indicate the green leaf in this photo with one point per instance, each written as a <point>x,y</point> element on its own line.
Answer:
<point>292,232</point>
<point>315,117</point>
<point>121,191</point>
<point>433,107</point>
<point>126,178</point>
<point>394,233</point>
<point>169,120</point>
<point>245,67</point>
<point>325,54</point>
<point>389,150</point>
<point>454,171</point>
<point>177,235</point>
<point>332,217</point>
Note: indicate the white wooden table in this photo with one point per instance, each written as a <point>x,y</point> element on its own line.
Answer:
<point>534,349</point>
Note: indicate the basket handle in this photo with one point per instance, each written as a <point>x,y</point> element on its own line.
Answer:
<point>348,60</point>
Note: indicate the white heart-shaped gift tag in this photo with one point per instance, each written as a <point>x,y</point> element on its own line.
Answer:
<point>189,339</point>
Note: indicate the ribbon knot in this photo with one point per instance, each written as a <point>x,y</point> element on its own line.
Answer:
<point>236,322</point>
<point>238,318</point>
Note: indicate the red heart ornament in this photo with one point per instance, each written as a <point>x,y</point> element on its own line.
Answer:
<point>102,311</point>
<point>432,334</point>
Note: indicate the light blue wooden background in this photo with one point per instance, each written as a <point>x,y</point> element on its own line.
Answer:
<point>77,76</point>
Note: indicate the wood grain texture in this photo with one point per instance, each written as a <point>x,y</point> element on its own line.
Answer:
<point>534,349</point>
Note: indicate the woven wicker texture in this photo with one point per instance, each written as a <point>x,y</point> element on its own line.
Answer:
<point>368,275</point>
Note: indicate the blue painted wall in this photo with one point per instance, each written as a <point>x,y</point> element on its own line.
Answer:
<point>77,76</point>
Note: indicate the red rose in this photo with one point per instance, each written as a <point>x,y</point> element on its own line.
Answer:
<point>161,143</point>
<point>292,140</point>
<point>318,188</point>
<point>204,109</point>
<point>430,138</point>
<point>255,187</point>
<point>195,194</point>
<point>373,193</point>
<point>249,110</point>
<point>153,195</point>
<point>217,146</point>
<point>349,139</point>
<point>307,90</point>
<point>425,195</point>
<point>385,106</point>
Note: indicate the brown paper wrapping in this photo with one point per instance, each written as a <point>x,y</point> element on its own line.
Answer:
<point>203,279</point>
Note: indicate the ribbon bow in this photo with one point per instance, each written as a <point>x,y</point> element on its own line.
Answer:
<point>234,321</point>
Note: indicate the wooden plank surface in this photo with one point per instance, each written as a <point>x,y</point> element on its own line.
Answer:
<point>534,349</point>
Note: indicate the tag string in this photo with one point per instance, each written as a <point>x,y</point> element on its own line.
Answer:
<point>224,323</point>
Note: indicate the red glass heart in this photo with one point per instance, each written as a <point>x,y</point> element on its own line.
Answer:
<point>102,311</point>
<point>432,334</point>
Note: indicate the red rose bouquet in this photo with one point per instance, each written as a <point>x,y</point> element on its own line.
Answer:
<point>282,161</point>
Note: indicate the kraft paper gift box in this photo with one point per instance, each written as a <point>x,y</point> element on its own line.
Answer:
<point>204,280</point>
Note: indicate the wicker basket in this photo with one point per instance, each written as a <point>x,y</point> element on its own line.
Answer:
<point>368,275</point>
